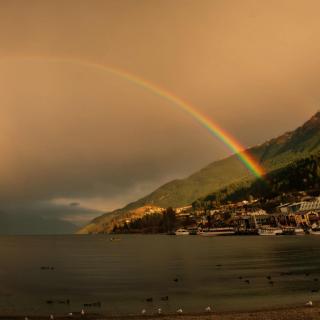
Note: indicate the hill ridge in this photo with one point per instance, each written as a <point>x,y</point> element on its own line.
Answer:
<point>274,154</point>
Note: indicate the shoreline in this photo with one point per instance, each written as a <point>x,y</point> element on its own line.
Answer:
<point>285,313</point>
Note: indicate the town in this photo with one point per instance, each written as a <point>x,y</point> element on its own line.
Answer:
<point>298,217</point>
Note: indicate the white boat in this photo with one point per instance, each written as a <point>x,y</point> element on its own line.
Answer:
<point>212,232</point>
<point>269,231</point>
<point>292,231</point>
<point>315,231</point>
<point>288,231</point>
<point>182,232</point>
<point>114,239</point>
<point>299,232</point>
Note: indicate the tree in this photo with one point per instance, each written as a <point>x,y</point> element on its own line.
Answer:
<point>169,220</point>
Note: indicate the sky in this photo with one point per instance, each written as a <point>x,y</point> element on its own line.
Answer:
<point>77,140</point>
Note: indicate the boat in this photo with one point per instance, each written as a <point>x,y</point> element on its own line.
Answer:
<point>247,232</point>
<point>115,239</point>
<point>212,232</point>
<point>182,232</point>
<point>299,231</point>
<point>288,231</point>
<point>193,231</point>
<point>315,230</point>
<point>292,231</point>
<point>269,231</point>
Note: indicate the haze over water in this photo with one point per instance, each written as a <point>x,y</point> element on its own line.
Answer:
<point>122,274</point>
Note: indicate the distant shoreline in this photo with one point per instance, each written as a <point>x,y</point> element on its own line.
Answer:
<point>287,313</point>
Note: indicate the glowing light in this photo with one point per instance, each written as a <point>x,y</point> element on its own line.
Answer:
<point>243,154</point>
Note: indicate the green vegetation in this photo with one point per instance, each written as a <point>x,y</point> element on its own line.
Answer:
<point>301,175</point>
<point>165,222</point>
<point>274,154</point>
<point>230,174</point>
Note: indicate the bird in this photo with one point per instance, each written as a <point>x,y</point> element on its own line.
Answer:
<point>143,311</point>
<point>208,309</point>
<point>179,310</point>
<point>269,277</point>
<point>51,317</point>
<point>82,312</point>
<point>26,318</point>
<point>247,281</point>
<point>70,314</point>
<point>149,299</point>
<point>159,310</point>
<point>309,304</point>
<point>175,279</point>
<point>165,298</point>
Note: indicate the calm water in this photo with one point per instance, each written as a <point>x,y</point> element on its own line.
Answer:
<point>122,274</point>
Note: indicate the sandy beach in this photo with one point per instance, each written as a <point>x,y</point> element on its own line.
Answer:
<point>294,313</point>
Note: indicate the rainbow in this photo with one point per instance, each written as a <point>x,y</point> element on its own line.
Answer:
<point>243,154</point>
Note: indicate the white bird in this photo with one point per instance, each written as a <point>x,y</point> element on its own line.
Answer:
<point>309,304</point>
<point>82,312</point>
<point>208,309</point>
<point>26,318</point>
<point>143,311</point>
<point>179,310</point>
<point>51,317</point>
<point>70,314</point>
<point>159,310</point>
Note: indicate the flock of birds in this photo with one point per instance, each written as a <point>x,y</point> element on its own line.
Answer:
<point>159,311</point>
<point>70,314</point>
<point>272,282</point>
<point>179,310</point>
<point>207,309</point>
<point>143,312</point>
<point>247,281</point>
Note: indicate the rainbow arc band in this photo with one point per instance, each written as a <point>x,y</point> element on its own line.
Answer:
<point>215,130</point>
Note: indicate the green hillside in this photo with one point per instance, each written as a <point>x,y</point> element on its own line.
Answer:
<point>300,175</point>
<point>274,154</point>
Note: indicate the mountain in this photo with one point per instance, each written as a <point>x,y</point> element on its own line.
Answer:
<point>299,177</point>
<point>273,154</point>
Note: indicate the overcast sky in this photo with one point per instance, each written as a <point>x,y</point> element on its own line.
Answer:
<point>71,133</point>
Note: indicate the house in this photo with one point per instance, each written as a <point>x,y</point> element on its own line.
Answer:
<point>307,218</point>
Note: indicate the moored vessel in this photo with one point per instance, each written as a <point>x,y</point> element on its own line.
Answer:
<point>182,232</point>
<point>269,231</point>
<point>292,231</point>
<point>299,232</point>
<point>211,232</point>
<point>315,231</point>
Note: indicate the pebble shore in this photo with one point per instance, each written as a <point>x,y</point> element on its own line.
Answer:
<point>294,313</point>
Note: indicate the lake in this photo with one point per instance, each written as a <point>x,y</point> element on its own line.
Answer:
<point>193,271</point>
